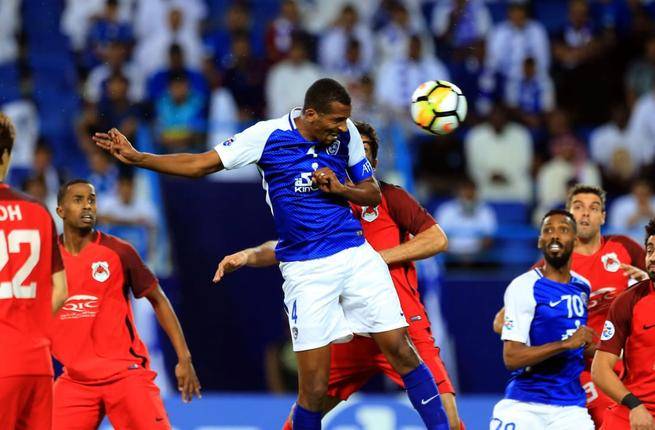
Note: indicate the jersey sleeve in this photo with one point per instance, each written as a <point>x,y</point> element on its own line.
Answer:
<point>139,277</point>
<point>244,148</point>
<point>636,251</point>
<point>617,325</point>
<point>406,211</point>
<point>359,168</point>
<point>57,263</point>
<point>519,312</point>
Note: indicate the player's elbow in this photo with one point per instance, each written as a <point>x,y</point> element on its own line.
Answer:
<point>439,240</point>
<point>511,360</point>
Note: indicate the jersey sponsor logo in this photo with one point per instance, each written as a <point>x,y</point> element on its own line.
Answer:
<point>601,296</point>
<point>334,148</point>
<point>611,262</point>
<point>370,214</point>
<point>304,183</point>
<point>79,306</point>
<point>10,213</point>
<point>228,142</point>
<point>100,271</point>
<point>367,168</point>
<point>608,331</point>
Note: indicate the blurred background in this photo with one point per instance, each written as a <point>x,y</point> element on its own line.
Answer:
<point>559,92</point>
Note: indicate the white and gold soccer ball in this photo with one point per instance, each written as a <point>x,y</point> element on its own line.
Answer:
<point>438,107</point>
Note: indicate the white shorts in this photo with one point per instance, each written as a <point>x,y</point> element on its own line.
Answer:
<point>328,299</point>
<point>514,415</point>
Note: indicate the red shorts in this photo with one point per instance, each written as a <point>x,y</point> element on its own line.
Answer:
<point>597,401</point>
<point>132,402</point>
<point>617,417</point>
<point>26,402</point>
<point>352,364</point>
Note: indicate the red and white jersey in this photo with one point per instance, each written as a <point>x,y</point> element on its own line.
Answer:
<point>398,217</point>
<point>94,335</point>
<point>603,270</point>
<point>28,257</point>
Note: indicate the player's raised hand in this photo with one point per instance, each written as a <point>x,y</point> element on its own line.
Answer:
<point>117,145</point>
<point>230,264</point>
<point>187,381</point>
<point>634,272</point>
<point>641,419</point>
<point>327,181</point>
<point>583,337</point>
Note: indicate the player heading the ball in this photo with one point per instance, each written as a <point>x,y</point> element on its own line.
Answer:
<point>306,158</point>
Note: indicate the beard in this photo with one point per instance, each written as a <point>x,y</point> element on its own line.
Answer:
<point>559,261</point>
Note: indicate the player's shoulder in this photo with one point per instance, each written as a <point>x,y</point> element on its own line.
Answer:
<point>121,247</point>
<point>262,130</point>
<point>525,281</point>
<point>622,240</point>
<point>10,195</point>
<point>577,278</point>
<point>388,189</point>
<point>635,292</point>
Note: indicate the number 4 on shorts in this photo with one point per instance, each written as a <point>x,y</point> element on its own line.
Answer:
<point>294,315</point>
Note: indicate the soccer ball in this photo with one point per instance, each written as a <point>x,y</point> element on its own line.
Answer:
<point>438,107</point>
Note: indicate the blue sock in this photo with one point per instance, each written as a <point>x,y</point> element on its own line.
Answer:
<point>424,395</point>
<point>305,420</point>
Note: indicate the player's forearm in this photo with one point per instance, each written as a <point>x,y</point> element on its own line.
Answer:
<point>171,326</point>
<point>518,355</point>
<point>605,378</point>
<point>262,255</point>
<point>187,165</point>
<point>424,245</point>
<point>59,291</point>
<point>365,193</point>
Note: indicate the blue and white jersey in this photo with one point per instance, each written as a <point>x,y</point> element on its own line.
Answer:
<point>539,311</point>
<point>310,223</point>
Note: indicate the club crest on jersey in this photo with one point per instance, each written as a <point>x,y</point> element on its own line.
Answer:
<point>370,214</point>
<point>611,262</point>
<point>228,142</point>
<point>100,271</point>
<point>608,331</point>
<point>334,148</point>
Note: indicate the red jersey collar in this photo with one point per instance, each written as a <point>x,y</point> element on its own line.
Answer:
<point>3,185</point>
<point>95,240</point>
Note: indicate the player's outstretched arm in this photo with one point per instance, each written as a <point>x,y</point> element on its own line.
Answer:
<point>517,355</point>
<point>258,256</point>
<point>604,376</point>
<point>59,290</point>
<point>188,165</point>
<point>187,381</point>
<point>424,245</point>
<point>364,193</point>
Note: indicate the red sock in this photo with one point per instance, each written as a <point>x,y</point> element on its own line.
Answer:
<point>287,425</point>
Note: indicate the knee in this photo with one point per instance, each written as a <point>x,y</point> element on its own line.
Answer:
<point>312,391</point>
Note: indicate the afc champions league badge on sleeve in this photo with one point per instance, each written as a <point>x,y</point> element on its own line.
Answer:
<point>608,331</point>
<point>100,271</point>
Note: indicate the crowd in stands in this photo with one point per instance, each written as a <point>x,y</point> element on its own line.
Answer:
<point>559,91</point>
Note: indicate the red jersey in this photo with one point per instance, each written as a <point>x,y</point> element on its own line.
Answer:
<point>630,327</point>
<point>94,335</point>
<point>28,257</point>
<point>603,270</point>
<point>389,224</point>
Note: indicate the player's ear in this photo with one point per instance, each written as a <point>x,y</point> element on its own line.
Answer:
<point>60,211</point>
<point>602,220</point>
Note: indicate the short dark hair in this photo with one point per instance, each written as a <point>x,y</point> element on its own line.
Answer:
<point>323,92</point>
<point>563,212</point>
<point>586,189</point>
<point>650,230</point>
<point>368,130</point>
<point>64,188</point>
<point>7,134</point>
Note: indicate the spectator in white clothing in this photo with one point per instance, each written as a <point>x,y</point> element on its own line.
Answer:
<point>641,129</point>
<point>288,80</point>
<point>152,52</point>
<point>568,166</point>
<point>9,27</point>
<point>281,31</point>
<point>499,157</point>
<point>398,77</point>
<point>531,96</point>
<point>115,62</point>
<point>514,40</point>
<point>394,38</point>
<point>640,76</point>
<point>468,221</point>
<point>629,213</point>
<point>336,41</point>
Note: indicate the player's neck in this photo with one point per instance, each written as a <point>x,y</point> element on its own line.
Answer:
<point>76,239</point>
<point>561,275</point>
<point>302,129</point>
<point>589,246</point>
